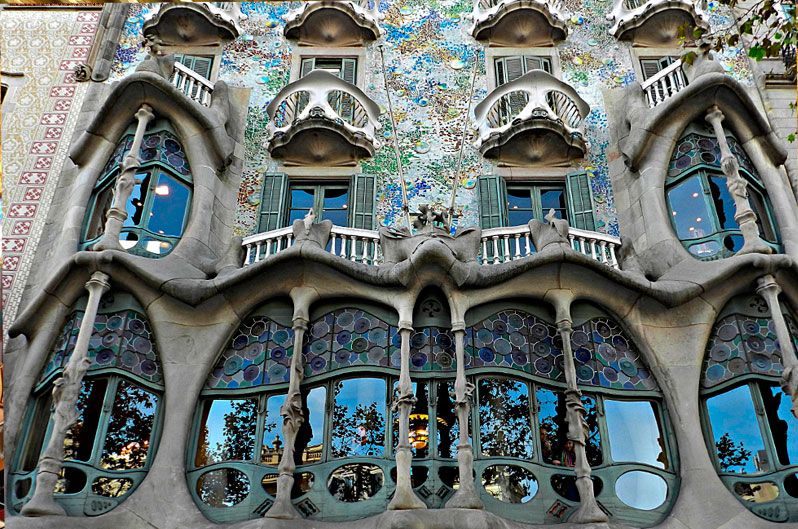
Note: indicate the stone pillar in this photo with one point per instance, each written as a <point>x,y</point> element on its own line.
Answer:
<point>769,290</point>
<point>292,421</point>
<point>588,510</point>
<point>466,496</point>
<point>117,213</point>
<point>744,216</point>
<point>66,390</point>
<point>404,497</point>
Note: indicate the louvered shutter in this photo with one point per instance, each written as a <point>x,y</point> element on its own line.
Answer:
<point>580,201</point>
<point>492,201</point>
<point>307,66</point>
<point>202,66</point>
<point>536,63</point>
<point>650,67</point>
<point>347,103</point>
<point>349,70</point>
<point>273,202</point>
<point>514,67</point>
<point>362,201</point>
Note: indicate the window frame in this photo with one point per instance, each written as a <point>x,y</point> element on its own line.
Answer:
<point>491,54</point>
<point>318,197</point>
<point>535,189</point>
<point>307,52</point>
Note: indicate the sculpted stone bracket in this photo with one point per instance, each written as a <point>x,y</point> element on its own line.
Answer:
<point>195,24</point>
<point>333,23</point>
<point>519,22</point>
<point>658,20</point>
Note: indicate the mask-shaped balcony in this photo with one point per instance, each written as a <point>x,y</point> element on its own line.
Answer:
<point>194,23</point>
<point>334,23</point>
<point>322,120</point>
<point>535,120</point>
<point>519,23</point>
<point>654,23</point>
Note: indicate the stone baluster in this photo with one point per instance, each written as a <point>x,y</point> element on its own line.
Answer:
<point>588,510</point>
<point>117,213</point>
<point>404,497</point>
<point>66,391</point>
<point>293,417</point>
<point>466,496</point>
<point>769,289</point>
<point>744,215</point>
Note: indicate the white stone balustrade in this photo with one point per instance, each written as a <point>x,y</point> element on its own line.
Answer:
<point>322,94</point>
<point>192,84</point>
<point>665,84</point>
<point>498,245</point>
<point>485,10</point>
<point>365,9</point>
<point>542,95</point>
<point>625,12</point>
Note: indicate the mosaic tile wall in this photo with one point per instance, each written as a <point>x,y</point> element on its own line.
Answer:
<point>45,46</point>
<point>429,55</point>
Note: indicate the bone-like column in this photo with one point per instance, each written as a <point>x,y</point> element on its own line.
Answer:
<point>117,213</point>
<point>292,421</point>
<point>404,497</point>
<point>66,391</point>
<point>744,215</point>
<point>466,496</point>
<point>769,289</point>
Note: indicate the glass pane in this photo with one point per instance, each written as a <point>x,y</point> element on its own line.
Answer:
<point>101,204</point>
<point>79,438</point>
<point>111,487</point>
<point>783,424</point>
<point>337,216</point>
<point>36,432</point>
<point>758,202</point>
<point>358,427</point>
<point>738,440</point>
<point>138,198</point>
<point>724,203</point>
<point>310,439</point>
<point>635,433</point>
<point>351,483</point>
<point>519,217</point>
<point>504,418</point>
<point>223,488</point>
<point>761,492</point>
<point>555,447</point>
<point>335,198</point>
<point>419,432</point>
<point>227,431</point>
<point>552,198</point>
<point>509,483</point>
<point>519,199</point>
<point>272,449</point>
<point>447,427</point>
<point>302,199</point>
<point>689,210</point>
<point>169,207</point>
<point>641,490</point>
<point>127,441</point>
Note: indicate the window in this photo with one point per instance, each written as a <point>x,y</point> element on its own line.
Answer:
<point>528,202</point>
<point>509,69</point>
<point>346,69</point>
<point>109,448</point>
<point>702,209</point>
<point>651,67</point>
<point>158,209</point>
<point>750,431</point>
<point>328,202</point>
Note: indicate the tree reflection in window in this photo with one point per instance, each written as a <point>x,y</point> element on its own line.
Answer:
<point>128,438</point>
<point>310,438</point>
<point>358,425</point>
<point>554,429</point>
<point>79,439</point>
<point>228,431</point>
<point>272,447</point>
<point>738,439</point>
<point>504,417</point>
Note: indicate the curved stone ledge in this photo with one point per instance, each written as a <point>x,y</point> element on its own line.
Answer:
<point>656,23</point>
<point>329,23</point>
<point>195,24</point>
<point>320,141</point>
<point>520,23</point>
<point>535,141</point>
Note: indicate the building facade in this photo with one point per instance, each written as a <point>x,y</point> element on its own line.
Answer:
<point>500,263</point>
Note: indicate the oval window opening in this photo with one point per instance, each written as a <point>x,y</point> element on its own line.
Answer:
<point>641,490</point>
<point>565,486</point>
<point>22,487</point>
<point>355,482</point>
<point>791,485</point>
<point>71,481</point>
<point>418,476</point>
<point>757,492</point>
<point>223,488</point>
<point>111,487</point>
<point>509,483</point>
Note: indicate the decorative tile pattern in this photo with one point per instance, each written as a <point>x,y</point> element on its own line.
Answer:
<point>44,46</point>
<point>160,146</point>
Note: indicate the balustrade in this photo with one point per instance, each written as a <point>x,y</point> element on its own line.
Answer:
<point>665,84</point>
<point>192,84</point>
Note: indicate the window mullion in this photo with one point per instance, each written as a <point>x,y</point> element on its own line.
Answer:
<point>764,426</point>
<point>709,202</point>
<point>537,208</point>
<point>261,418</point>
<point>104,421</point>
<point>604,433</point>
<point>155,175</point>
<point>328,420</point>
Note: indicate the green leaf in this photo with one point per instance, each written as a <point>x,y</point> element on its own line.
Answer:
<point>791,137</point>
<point>756,52</point>
<point>689,57</point>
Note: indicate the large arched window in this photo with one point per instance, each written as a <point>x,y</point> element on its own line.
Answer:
<point>158,209</point>
<point>109,449</point>
<point>701,208</point>
<point>750,431</point>
<point>522,456</point>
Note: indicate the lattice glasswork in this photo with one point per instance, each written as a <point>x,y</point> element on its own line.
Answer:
<point>120,339</point>
<point>696,149</point>
<point>161,146</point>
<point>742,344</point>
<point>431,349</point>
<point>259,354</point>
<point>346,338</point>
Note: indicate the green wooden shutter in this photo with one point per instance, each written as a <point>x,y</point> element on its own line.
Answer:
<point>514,68</point>
<point>492,201</point>
<point>200,65</point>
<point>362,201</point>
<point>307,66</point>
<point>580,201</point>
<point>536,63</point>
<point>650,67</point>
<point>349,70</point>
<point>273,202</point>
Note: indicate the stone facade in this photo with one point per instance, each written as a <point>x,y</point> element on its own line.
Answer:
<point>602,315</point>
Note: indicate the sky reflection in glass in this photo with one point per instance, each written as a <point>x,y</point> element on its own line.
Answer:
<point>732,415</point>
<point>634,433</point>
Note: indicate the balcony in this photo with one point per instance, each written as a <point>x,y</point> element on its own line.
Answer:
<point>195,86</point>
<point>654,23</point>
<point>665,84</point>
<point>535,120</point>
<point>519,23</point>
<point>194,23</point>
<point>322,120</point>
<point>497,245</point>
<point>334,23</point>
